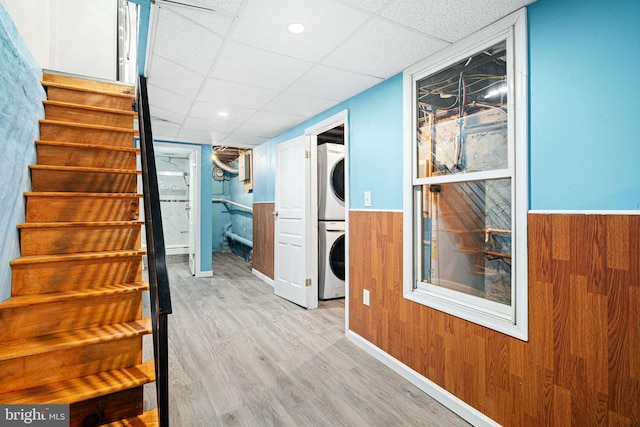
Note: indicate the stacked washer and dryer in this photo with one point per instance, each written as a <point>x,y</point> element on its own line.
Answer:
<point>331,217</point>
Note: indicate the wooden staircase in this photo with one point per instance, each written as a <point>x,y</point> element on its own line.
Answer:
<point>72,330</point>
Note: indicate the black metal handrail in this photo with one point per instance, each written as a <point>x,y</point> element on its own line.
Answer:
<point>159,292</point>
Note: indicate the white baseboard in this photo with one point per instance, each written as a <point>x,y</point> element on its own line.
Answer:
<point>262,277</point>
<point>461,408</point>
<point>204,273</point>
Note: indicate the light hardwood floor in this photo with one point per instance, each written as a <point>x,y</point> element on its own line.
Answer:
<point>241,356</point>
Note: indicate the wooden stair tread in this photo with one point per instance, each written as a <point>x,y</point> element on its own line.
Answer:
<point>82,256</point>
<point>498,254</point>
<point>86,89</point>
<point>469,251</point>
<point>84,388</point>
<point>82,169</point>
<point>485,274</point>
<point>53,297</point>
<point>89,107</point>
<point>33,225</point>
<point>74,338</point>
<point>88,146</point>
<point>81,194</point>
<point>146,419</point>
<point>88,83</point>
<point>461,231</point>
<point>88,126</point>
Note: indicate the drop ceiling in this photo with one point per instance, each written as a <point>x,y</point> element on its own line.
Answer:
<point>229,73</point>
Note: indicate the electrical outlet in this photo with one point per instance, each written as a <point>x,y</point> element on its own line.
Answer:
<point>367,198</point>
<point>365,297</point>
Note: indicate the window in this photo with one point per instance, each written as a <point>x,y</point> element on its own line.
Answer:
<point>466,187</point>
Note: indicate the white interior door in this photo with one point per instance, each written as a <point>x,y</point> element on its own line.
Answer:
<point>292,206</point>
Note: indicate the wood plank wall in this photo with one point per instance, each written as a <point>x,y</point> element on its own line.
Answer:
<point>581,365</point>
<point>263,235</point>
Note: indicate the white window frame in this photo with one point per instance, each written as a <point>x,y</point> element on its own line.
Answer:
<point>511,320</point>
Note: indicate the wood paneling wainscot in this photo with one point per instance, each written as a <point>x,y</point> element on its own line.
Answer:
<point>581,365</point>
<point>263,235</point>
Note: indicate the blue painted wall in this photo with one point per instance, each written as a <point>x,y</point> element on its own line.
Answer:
<point>264,172</point>
<point>221,215</point>
<point>585,118</point>
<point>21,96</point>
<point>241,220</point>
<point>375,148</point>
<point>206,210</point>
<point>143,31</point>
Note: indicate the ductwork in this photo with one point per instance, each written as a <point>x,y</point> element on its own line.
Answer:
<point>221,165</point>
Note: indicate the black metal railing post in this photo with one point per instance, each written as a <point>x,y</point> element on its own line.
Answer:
<point>159,292</point>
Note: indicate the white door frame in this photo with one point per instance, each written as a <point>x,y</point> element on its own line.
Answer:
<point>311,133</point>
<point>194,182</point>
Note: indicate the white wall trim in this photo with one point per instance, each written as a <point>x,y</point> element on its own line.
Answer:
<point>458,406</point>
<point>262,203</point>
<point>511,30</point>
<point>264,278</point>
<point>188,149</point>
<point>582,212</point>
<point>311,133</point>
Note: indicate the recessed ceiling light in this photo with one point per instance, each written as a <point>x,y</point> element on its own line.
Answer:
<point>223,114</point>
<point>296,27</point>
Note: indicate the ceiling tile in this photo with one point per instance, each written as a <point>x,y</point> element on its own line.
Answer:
<point>164,130</point>
<point>264,130</point>
<point>236,95</point>
<point>211,124</point>
<point>306,106</point>
<point>329,83</point>
<point>256,67</point>
<point>173,77</point>
<point>194,135</point>
<point>278,120</point>
<point>369,5</point>
<point>229,7</point>
<point>264,24</point>
<point>185,42</point>
<point>164,114</point>
<point>449,20</point>
<point>171,101</point>
<point>244,141</point>
<point>383,49</point>
<point>218,23</point>
<point>217,137</point>
<point>207,110</point>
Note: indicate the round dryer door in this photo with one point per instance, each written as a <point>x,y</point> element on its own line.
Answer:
<point>337,180</point>
<point>336,257</point>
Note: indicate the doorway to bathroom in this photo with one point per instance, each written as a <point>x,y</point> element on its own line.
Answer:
<point>178,169</point>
